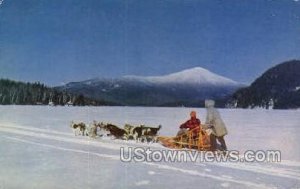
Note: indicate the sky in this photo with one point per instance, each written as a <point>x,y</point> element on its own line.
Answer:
<point>59,41</point>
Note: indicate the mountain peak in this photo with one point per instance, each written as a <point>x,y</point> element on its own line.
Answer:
<point>196,75</point>
<point>195,69</point>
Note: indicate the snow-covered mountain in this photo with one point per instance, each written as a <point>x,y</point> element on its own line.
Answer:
<point>187,87</point>
<point>194,76</point>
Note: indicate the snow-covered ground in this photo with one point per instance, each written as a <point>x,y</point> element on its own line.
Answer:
<point>39,150</point>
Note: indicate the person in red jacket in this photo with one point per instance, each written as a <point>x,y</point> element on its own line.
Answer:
<point>190,124</point>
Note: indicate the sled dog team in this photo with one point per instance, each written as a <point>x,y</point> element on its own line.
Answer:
<point>139,133</point>
<point>214,127</point>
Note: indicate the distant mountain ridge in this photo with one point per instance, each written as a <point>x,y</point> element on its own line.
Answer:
<point>186,88</point>
<point>278,87</point>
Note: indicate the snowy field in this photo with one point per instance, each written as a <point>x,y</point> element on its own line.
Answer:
<point>39,150</point>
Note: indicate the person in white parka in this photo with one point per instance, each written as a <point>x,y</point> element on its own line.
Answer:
<point>215,122</point>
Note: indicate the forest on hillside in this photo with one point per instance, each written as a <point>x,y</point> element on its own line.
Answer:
<point>20,93</point>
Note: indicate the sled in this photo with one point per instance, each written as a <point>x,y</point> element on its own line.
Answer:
<point>196,138</point>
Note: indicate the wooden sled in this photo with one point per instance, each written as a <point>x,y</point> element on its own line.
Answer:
<point>196,138</point>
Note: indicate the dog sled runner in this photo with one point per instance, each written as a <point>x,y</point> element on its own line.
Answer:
<point>193,139</point>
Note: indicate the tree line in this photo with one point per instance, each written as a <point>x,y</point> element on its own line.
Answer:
<point>20,93</point>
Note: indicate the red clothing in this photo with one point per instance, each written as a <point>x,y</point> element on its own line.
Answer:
<point>191,124</point>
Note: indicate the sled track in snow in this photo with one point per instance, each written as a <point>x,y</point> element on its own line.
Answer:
<point>68,138</point>
<point>156,165</point>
